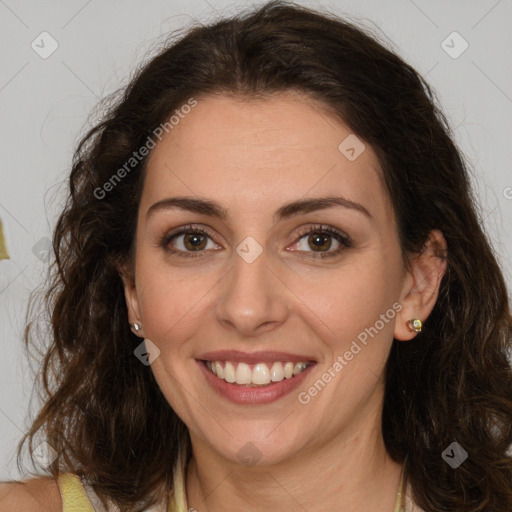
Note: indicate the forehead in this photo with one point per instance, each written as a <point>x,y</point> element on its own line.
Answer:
<point>259,153</point>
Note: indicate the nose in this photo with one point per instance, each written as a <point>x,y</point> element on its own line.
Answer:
<point>252,299</point>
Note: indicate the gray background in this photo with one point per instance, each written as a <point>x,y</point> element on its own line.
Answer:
<point>45,102</point>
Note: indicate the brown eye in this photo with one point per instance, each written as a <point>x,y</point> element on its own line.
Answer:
<point>188,240</point>
<point>194,241</point>
<point>320,239</point>
<point>319,242</point>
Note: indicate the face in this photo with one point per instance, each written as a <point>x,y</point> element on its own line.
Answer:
<point>263,284</point>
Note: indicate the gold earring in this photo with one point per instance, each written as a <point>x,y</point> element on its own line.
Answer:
<point>415,324</point>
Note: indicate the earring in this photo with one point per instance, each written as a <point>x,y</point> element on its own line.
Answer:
<point>416,325</point>
<point>136,327</point>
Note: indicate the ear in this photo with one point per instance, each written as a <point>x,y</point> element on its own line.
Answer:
<point>421,285</point>
<point>130,295</point>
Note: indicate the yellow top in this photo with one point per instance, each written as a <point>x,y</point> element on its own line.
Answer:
<point>77,497</point>
<point>4,255</point>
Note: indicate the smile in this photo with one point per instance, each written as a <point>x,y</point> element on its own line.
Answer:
<point>254,378</point>
<point>256,375</point>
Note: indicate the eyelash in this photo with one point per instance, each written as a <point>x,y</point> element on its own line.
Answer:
<point>344,240</point>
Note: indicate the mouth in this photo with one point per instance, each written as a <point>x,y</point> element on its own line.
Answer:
<point>256,378</point>
<point>256,375</point>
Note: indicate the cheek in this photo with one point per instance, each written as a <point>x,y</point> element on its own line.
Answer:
<point>345,303</point>
<point>172,301</point>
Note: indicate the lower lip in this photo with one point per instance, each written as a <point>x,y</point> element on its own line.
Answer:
<point>249,395</point>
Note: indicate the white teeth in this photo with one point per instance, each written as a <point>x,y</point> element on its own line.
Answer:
<point>219,370</point>
<point>243,374</point>
<point>229,373</point>
<point>277,372</point>
<point>259,375</point>
<point>299,367</point>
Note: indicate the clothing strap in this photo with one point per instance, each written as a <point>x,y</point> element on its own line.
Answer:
<point>400,497</point>
<point>74,498</point>
<point>178,500</point>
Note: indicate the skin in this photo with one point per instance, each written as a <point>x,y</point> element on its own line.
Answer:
<point>252,156</point>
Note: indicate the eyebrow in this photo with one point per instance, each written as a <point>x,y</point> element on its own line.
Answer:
<point>213,209</point>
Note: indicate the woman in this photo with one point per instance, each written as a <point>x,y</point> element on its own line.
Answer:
<point>272,290</point>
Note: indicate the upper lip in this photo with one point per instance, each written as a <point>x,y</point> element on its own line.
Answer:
<point>253,357</point>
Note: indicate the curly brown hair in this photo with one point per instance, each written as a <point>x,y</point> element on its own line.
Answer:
<point>104,413</point>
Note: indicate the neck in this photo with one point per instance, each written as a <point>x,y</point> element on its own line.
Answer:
<point>352,469</point>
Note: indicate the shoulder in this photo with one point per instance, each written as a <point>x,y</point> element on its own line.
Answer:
<point>36,494</point>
